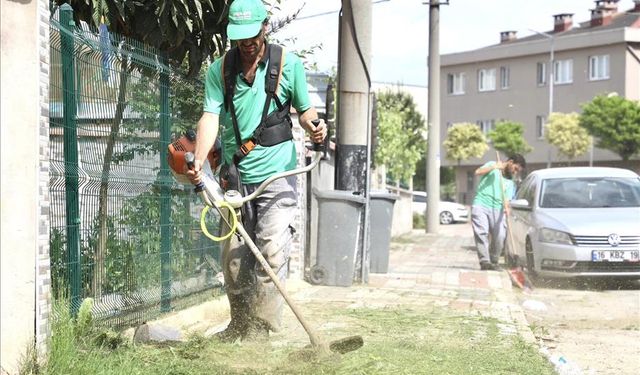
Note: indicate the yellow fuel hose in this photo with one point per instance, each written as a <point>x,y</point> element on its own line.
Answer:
<point>234,221</point>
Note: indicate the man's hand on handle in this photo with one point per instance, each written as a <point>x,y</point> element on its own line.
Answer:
<point>315,126</point>
<point>317,131</point>
<point>207,131</point>
<point>195,174</point>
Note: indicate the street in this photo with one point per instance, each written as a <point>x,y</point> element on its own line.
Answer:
<point>594,324</point>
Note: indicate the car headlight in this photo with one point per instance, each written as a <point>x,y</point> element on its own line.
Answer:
<point>554,236</point>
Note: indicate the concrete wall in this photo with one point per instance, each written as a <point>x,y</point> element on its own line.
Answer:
<point>24,241</point>
<point>633,71</point>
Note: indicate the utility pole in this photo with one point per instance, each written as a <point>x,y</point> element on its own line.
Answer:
<point>353,98</point>
<point>551,82</point>
<point>354,113</point>
<point>433,120</point>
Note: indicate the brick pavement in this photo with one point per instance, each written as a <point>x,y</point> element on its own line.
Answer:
<point>424,271</point>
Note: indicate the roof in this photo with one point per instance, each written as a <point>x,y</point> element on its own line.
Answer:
<point>619,21</point>
<point>624,27</point>
<point>576,172</point>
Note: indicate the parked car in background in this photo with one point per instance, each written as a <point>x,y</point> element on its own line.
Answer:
<point>449,212</point>
<point>580,221</point>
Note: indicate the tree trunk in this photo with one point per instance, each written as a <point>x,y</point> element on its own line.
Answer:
<point>103,212</point>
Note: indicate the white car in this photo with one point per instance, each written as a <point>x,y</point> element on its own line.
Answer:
<point>580,221</point>
<point>450,212</point>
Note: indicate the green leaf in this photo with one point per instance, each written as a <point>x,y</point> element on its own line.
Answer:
<point>508,138</point>
<point>198,7</point>
<point>399,134</point>
<point>464,141</point>
<point>615,122</point>
<point>564,132</point>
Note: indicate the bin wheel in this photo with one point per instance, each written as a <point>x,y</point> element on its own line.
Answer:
<point>318,275</point>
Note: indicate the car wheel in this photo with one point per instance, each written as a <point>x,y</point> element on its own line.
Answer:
<point>446,217</point>
<point>531,269</point>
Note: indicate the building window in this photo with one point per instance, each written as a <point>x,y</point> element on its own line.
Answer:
<point>598,67</point>
<point>562,71</point>
<point>540,124</point>
<point>486,79</point>
<point>541,73</point>
<point>486,125</point>
<point>455,83</point>
<point>470,177</point>
<point>505,79</point>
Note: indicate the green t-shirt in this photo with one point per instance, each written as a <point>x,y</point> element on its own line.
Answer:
<point>489,191</point>
<point>261,162</point>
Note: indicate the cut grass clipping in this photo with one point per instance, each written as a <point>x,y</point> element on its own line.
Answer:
<point>397,341</point>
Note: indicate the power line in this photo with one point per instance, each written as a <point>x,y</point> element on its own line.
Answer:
<point>332,11</point>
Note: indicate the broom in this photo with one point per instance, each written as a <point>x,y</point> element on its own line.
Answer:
<point>516,273</point>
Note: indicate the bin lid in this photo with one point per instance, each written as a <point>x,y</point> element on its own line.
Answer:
<point>343,195</point>
<point>383,194</point>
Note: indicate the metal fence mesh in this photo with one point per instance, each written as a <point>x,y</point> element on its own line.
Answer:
<point>122,231</point>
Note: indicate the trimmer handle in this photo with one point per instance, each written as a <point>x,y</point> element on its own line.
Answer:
<point>318,147</point>
<point>190,160</point>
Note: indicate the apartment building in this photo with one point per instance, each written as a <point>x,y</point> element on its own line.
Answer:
<point>511,81</point>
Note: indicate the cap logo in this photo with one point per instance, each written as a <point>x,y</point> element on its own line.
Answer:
<point>244,15</point>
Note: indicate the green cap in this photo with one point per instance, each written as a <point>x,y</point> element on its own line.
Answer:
<point>245,19</point>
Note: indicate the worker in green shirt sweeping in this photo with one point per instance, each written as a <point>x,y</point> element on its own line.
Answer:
<point>488,213</point>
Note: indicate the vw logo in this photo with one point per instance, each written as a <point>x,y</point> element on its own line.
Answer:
<point>613,239</point>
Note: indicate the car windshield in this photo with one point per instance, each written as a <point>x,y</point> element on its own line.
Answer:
<point>590,192</point>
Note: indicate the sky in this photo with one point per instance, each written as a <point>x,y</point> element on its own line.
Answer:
<point>400,29</point>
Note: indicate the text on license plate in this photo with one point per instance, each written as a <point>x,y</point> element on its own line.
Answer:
<point>615,255</point>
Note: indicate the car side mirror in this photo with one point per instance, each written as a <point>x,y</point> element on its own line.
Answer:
<point>520,203</point>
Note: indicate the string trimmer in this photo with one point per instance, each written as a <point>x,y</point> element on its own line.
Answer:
<point>181,157</point>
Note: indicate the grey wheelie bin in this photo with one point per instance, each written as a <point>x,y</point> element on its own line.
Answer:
<point>340,218</point>
<point>381,213</point>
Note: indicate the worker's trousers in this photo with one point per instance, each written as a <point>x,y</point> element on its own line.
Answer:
<point>268,218</point>
<point>489,230</point>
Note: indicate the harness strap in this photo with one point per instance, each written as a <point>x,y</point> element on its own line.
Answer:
<point>272,82</point>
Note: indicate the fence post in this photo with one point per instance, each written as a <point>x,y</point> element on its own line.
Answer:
<point>165,190</point>
<point>70,145</point>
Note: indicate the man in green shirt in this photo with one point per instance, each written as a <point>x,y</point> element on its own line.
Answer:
<point>255,303</point>
<point>488,211</point>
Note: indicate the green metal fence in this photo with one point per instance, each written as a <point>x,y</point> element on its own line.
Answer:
<point>122,231</point>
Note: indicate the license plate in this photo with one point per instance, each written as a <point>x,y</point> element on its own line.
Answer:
<point>615,256</point>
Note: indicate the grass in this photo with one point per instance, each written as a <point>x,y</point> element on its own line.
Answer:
<point>418,221</point>
<point>397,341</point>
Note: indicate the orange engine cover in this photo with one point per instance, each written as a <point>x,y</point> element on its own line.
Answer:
<point>187,143</point>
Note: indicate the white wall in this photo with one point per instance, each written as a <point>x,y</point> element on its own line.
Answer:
<point>23,184</point>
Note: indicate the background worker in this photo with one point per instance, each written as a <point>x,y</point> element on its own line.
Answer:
<point>255,303</point>
<point>488,212</point>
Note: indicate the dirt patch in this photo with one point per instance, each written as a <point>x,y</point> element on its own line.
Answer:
<point>593,324</point>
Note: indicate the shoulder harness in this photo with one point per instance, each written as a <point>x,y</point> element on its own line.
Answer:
<point>274,128</point>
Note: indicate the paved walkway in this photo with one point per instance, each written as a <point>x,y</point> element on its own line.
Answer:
<point>425,271</point>
<point>447,265</point>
